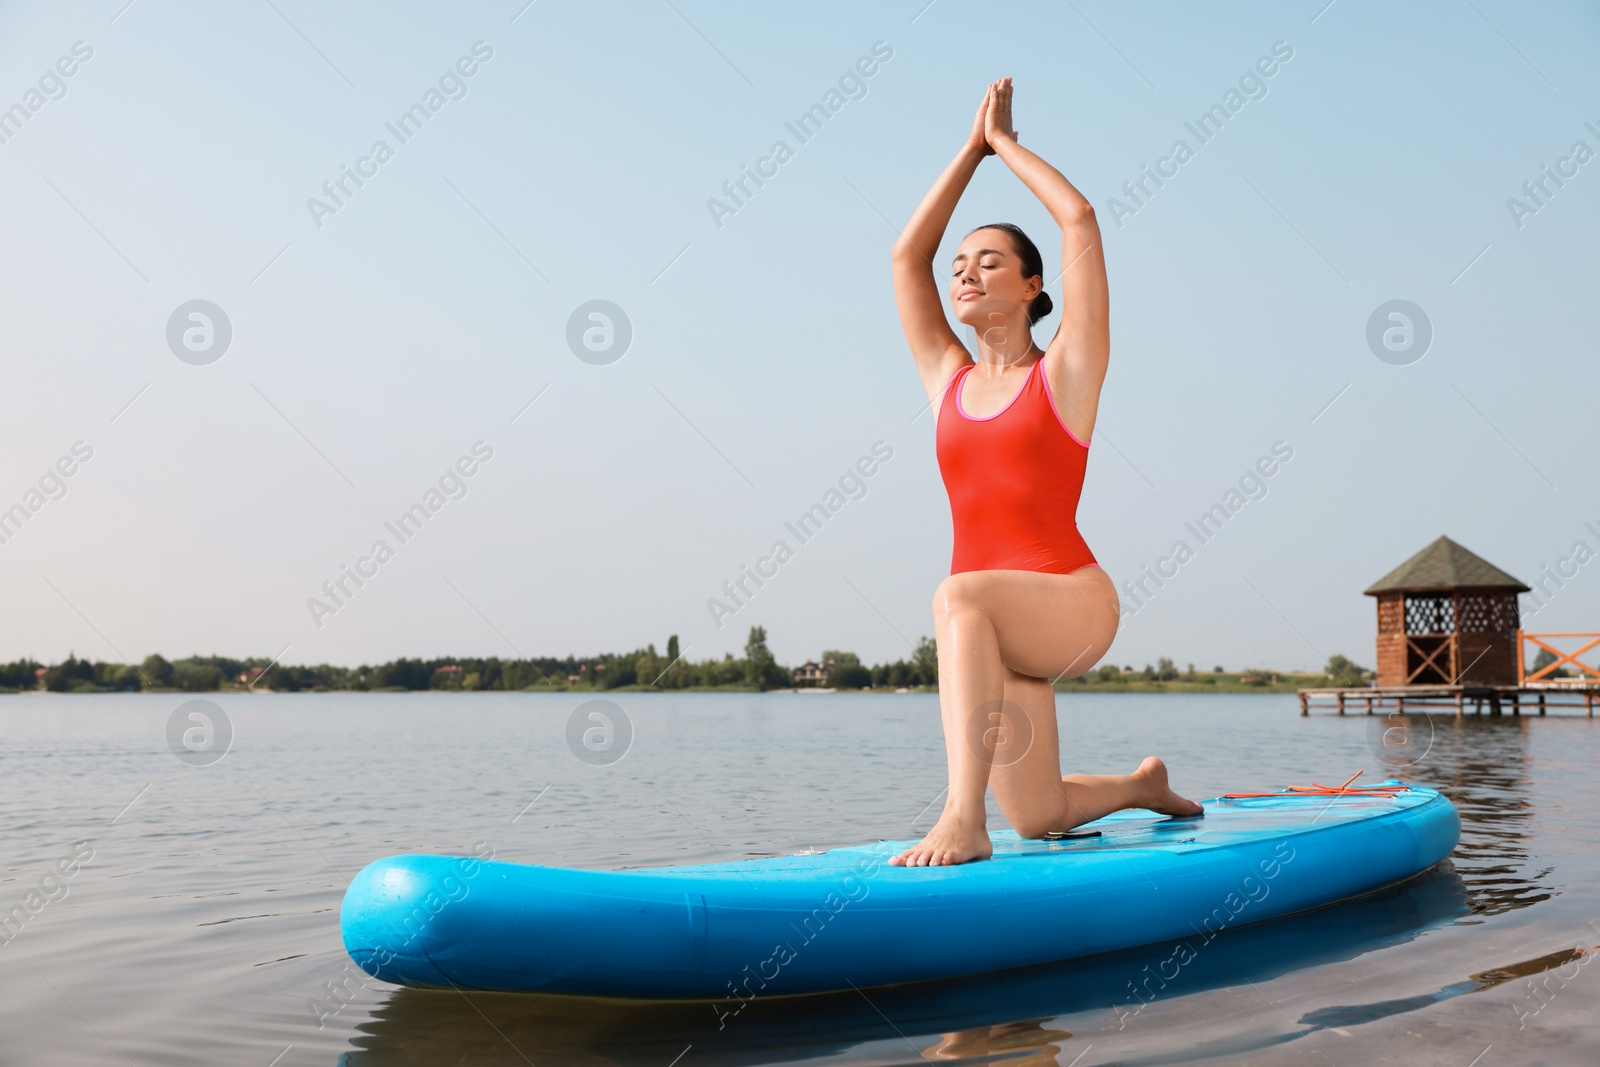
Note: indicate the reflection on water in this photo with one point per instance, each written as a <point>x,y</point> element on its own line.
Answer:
<point>988,1017</point>
<point>1354,1015</point>
<point>1481,764</point>
<point>1028,1043</point>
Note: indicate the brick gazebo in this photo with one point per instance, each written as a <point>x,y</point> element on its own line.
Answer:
<point>1447,617</point>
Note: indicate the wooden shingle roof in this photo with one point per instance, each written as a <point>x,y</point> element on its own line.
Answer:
<point>1442,566</point>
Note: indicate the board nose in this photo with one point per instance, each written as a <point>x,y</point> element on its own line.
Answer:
<point>390,913</point>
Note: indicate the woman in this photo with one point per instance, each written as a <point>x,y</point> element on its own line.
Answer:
<point>1025,602</point>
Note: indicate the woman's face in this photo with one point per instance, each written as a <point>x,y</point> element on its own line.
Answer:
<point>986,282</point>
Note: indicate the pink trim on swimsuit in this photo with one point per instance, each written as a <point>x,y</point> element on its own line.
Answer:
<point>1048,396</point>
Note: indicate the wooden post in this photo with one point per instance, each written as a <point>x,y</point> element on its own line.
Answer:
<point>1588,703</point>
<point>1516,703</point>
<point>1340,695</point>
<point>1399,704</point>
<point>1368,699</point>
<point>1303,709</point>
<point>1458,705</point>
<point>1494,703</point>
<point>1541,702</point>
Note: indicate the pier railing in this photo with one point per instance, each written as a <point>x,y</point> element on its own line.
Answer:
<point>1586,674</point>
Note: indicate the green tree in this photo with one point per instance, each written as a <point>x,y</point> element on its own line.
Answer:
<point>925,661</point>
<point>278,680</point>
<point>1166,670</point>
<point>922,669</point>
<point>1343,671</point>
<point>19,675</point>
<point>760,669</point>
<point>69,674</point>
<point>847,671</point>
<point>1543,660</point>
<point>196,677</point>
<point>674,676</point>
<point>156,672</point>
<point>647,666</point>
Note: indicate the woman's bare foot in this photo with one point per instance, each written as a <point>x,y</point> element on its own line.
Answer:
<point>1158,796</point>
<point>952,840</point>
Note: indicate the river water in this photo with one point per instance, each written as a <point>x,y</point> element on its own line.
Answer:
<point>170,907</point>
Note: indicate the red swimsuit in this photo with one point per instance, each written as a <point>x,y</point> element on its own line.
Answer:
<point>1014,479</point>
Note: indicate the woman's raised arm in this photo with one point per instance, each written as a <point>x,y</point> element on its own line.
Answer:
<point>1075,361</point>
<point>934,345</point>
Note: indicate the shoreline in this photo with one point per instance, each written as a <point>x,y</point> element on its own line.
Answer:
<point>1183,688</point>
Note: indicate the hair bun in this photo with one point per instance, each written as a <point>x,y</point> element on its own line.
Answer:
<point>1042,305</point>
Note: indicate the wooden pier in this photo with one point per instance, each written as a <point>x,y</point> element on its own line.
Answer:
<point>1448,636</point>
<point>1495,699</point>
<point>1536,689</point>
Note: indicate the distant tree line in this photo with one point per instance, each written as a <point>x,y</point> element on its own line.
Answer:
<point>1339,671</point>
<point>643,668</point>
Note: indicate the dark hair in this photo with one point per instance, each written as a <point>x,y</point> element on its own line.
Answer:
<point>1032,265</point>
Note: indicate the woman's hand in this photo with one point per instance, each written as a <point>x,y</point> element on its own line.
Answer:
<point>979,138</point>
<point>996,114</point>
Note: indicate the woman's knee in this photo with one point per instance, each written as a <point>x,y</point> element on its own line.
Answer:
<point>1031,825</point>
<point>957,597</point>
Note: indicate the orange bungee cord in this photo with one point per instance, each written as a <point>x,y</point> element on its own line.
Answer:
<point>1315,790</point>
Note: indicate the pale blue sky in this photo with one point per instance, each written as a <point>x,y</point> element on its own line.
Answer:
<point>371,352</point>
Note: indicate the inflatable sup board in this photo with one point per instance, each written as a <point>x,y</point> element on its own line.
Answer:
<point>845,917</point>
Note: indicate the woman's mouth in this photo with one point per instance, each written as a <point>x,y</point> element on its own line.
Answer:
<point>967,294</point>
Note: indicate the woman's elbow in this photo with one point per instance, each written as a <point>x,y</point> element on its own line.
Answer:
<point>1079,213</point>
<point>903,249</point>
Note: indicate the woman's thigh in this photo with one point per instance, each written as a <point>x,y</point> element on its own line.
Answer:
<point>1047,625</point>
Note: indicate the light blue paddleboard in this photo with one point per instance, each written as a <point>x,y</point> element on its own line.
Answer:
<point>843,918</point>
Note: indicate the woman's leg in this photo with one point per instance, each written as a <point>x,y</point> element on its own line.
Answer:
<point>1002,636</point>
<point>971,687</point>
<point>1033,793</point>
